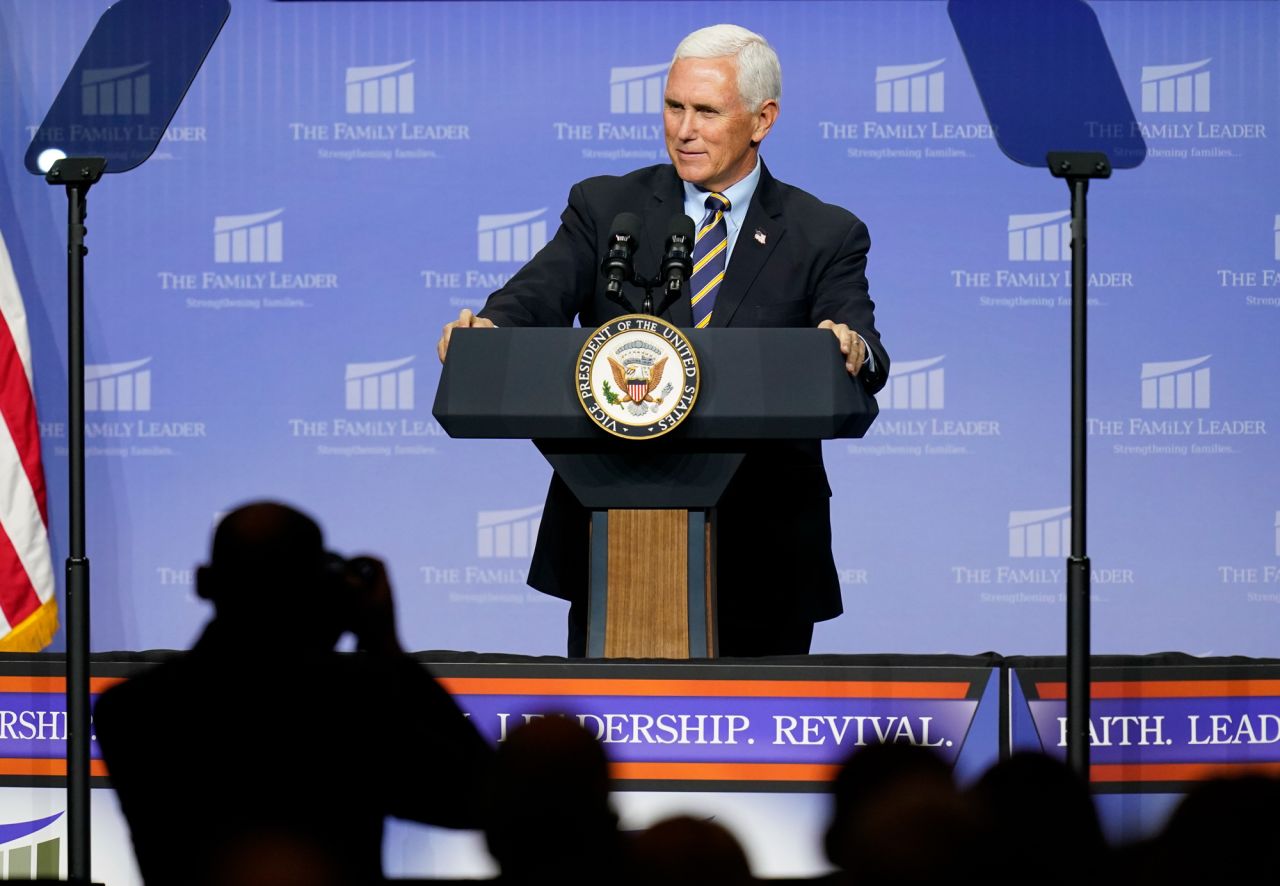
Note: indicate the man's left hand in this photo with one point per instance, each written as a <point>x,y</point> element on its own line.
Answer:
<point>851,345</point>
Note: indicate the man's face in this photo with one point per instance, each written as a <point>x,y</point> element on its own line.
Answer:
<point>711,135</point>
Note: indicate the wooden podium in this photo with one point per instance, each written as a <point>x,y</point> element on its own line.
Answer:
<point>758,385</point>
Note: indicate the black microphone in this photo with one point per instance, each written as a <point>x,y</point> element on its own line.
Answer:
<point>621,248</point>
<point>677,261</point>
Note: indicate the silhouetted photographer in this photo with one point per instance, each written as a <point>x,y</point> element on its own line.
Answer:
<point>263,732</point>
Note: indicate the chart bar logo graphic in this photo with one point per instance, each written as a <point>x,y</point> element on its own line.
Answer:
<point>917,384</point>
<point>512,237</point>
<point>381,89</point>
<point>637,90</point>
<point>1043,533</point>
<point>1176,385</point>
<point>248,239</point>
<point>1180,88</point>
<point>386,385</point>
<point>117,387</point>
<point>507,533</point>
<point>1044,236</point>
<point>116,91</point>
<point>32,850</point>
<point>910,88</point>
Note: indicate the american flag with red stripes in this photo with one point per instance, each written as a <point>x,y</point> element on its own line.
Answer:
<point>28,608</point>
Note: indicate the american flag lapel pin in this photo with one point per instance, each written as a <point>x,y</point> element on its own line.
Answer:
<point>760,237</point>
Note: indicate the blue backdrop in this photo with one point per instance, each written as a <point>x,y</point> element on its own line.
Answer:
<point>265,294</point>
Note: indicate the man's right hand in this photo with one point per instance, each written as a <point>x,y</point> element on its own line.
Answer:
<point>372,613</point>
<point>466,320</point>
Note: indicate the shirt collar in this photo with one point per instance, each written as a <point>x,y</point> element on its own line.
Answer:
<point>739,193</point>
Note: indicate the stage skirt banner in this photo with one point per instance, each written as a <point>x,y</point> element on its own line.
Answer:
<point>737,727</point>
<point>1155,732</point>
<point>1162,730</point>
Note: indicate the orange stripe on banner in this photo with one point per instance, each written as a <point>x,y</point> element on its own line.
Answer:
<point>1166,689</point>
<point>723,771</point>
<point>686,688</point>
<point>1119,772</point>
<point>54,684</point>
<point>56,766</point>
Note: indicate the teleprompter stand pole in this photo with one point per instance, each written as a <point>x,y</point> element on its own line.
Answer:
<point>77,174</point>
<point>1077,168</point>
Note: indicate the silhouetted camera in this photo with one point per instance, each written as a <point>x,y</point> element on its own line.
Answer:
<point>341,573</point>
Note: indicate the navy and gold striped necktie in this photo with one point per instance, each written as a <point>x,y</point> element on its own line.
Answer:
<point>709,250</point>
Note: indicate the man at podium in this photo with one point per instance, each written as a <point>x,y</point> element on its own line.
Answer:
<point>767,254</point>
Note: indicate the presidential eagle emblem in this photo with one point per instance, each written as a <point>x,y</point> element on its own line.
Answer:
<point>637,376</point>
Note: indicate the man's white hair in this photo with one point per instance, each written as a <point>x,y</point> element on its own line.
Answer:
<point>759,73</point>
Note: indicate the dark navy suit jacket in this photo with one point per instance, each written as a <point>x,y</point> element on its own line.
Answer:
<point>797,261</point>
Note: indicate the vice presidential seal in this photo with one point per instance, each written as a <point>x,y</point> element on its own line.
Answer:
<point>637,377</point>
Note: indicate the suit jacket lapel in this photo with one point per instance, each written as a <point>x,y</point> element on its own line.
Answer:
<point>759,235</point>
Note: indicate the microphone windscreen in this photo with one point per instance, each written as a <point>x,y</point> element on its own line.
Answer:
<point>625,223</point>
<point>680,225</point>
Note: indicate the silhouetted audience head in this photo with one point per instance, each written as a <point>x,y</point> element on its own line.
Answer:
<point>1038,805</point>
<point>684,851</point>
<point>899,819</point>
<point>866,777</point>
<point>549,817</point>
<point>1222,832</point>
<point>269,576</point>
